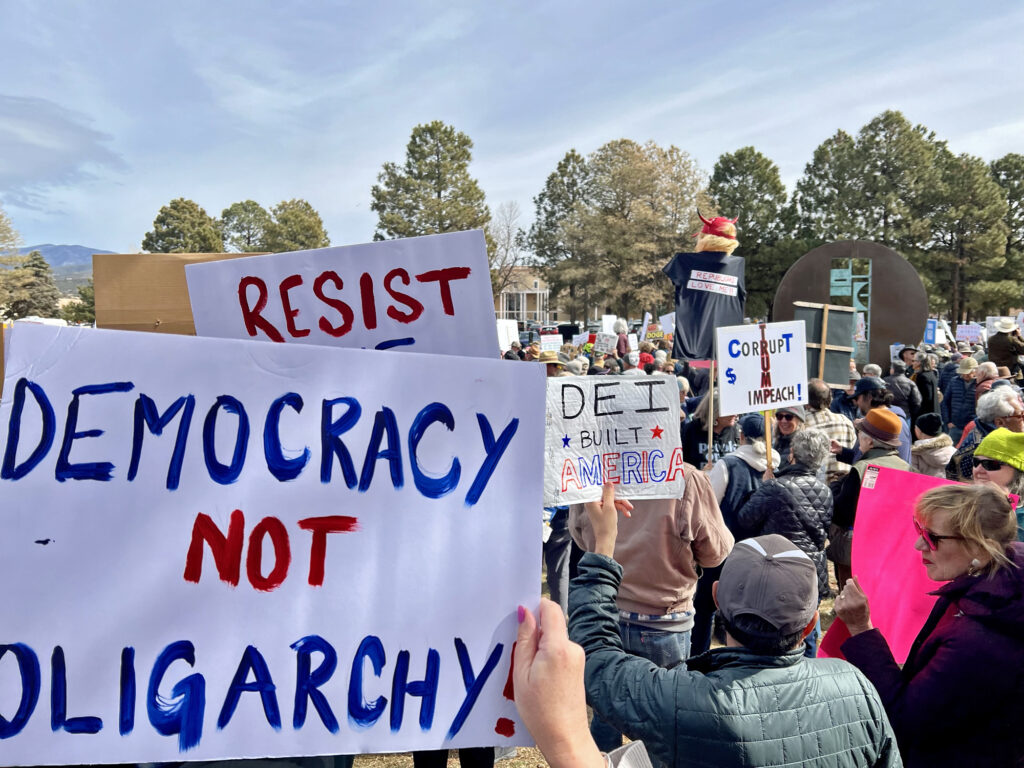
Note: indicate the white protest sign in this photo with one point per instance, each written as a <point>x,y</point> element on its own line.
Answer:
<point>608,323</point>
<point>643,326</point>
<point>761,366</point>
<point>969,332</point>
<point>668,323</point>
<point>508,331</point>
<point>550,341</point>
<point>605,343</point>
<point>421,294</point>
<point>861,334</point>
<point>634,345</point>
<point>894,352</point>
<point>623,429</point>
<point>229,549</point>
<point>580,339</point>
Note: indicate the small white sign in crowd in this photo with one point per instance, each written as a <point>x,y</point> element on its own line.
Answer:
<point>221,548</point>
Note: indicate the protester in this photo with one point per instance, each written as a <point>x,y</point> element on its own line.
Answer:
<point>878,440</point>
<point>788,421</point>
<point>957,699</point>
<point>869,393</point>
<point>695,434</point>
<point>684,393</point>
<point>984,376</point>
<point>905,394</point>
<point>933,449</point>
<point>927,381</point>
<point>630,363</point>
<point>872,370</point>
<point>842,402</point>
<point>662,547</point>
<point>948,371</point>
<point>1000,408</point>
<point>907,355</point>
<point>548,680</point>
<point>797,505</point>
<point>554,364</point>
<point>836,426</point>
<point>999,459</point>
<point>621,328</point>
<point>1006,346</point>
<point>758,701</point>
<point>958,399</point>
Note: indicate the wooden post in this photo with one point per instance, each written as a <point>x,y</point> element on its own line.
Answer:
<point>711,412</point>
<point>824,342</point>
<point>768,416</point>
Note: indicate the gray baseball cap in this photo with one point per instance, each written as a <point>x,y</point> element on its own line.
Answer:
<point>771,578</point>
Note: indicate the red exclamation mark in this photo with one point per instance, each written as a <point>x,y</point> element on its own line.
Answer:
<point>504,726</point>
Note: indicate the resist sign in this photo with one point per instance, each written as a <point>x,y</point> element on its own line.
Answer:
<point>425,294</point>
<point>761,366</point>
<point>623,429</point>
<point>225,549</point>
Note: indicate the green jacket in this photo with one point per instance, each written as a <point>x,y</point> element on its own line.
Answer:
<point>730,707</point>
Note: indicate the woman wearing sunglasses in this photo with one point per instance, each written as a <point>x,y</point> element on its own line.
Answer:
<point>999,459</point>
<point>958,699</point>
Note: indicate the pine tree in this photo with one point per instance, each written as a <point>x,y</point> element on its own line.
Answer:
<point>31,289</point>
<point>182,226</point>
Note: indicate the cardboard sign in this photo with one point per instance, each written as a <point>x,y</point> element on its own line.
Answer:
<point>579,339</point>
<point>625,429</point>
<point>894,354</point>
<point>634,344</point>
<point>885,562</point>
<point>761,366</point>
<point>422,294</point>
<point>508,331</point>
<point>655,332</point>
<point>969,332</point>
<point>605,343</point>
<point>229,549</point>
<point>608,323</point>
<point>668,323</point>
<point>551,342</point>
<point>861,332</point>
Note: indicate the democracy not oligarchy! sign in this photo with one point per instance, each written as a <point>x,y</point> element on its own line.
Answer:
<point>622,429</point>
<point>220,548</point>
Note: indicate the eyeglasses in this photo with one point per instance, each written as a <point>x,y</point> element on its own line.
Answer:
<point>991,465</point>
<point>784,416</point>
<point>931,539</point>
<point>1016,416</point>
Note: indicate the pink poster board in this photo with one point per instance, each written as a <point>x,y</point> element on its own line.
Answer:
<point>885,561</point>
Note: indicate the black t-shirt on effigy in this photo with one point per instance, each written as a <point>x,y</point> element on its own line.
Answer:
<point>710,292</point>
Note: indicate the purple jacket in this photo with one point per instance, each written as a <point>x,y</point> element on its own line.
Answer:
<point>959,699</point>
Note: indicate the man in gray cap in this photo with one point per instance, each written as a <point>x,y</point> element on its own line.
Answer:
<point>758,700</point>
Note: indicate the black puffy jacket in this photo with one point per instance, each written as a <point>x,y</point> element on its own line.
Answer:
<point>798,506</point>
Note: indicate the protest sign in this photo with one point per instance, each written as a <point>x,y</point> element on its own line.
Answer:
<point>634,344</point>
<point>761,366</point>
<point>861,331</point>
<point>608,323</point>
<point>894,354</point>
<point>884,559</point>
<point>643,326</point>
<point>605,343</point>
<point>655,332</point>
<point>424,294</point>
<point>969,332</point>
<point>668,323</point>
<point>508,331</point>
<point>220,548</point>
<point>550,341</point>
<point>623,429</point>
<point>579,339</point>
<point>990,324</point>
<point>931,327</point>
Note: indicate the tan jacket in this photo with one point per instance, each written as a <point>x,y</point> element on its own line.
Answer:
<point>661,545</point>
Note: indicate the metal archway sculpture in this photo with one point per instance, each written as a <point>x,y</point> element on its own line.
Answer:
<point>898,308</point>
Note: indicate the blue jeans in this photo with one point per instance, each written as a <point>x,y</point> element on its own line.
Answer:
<point>666,649</point>
<point>811,641</point>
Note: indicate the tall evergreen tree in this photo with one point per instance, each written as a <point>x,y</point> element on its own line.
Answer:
<point>432,191</point>
<point>296,226</point>
<point>244,226</point>
<point>182,226</point>
<point>31,291</point>
<point>84,309</point>
<point>747,184</point>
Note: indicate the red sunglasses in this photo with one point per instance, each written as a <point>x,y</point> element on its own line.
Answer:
<point>931,539</point>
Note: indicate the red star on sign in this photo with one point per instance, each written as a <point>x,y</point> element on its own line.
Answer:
<point>656,432</point>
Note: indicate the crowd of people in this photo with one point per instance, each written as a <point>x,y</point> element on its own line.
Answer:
<point>741,561</point>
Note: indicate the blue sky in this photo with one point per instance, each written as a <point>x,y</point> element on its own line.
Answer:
<point>108,110</point>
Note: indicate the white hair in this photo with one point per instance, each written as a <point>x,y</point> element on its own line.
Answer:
<point>620,326</point>
<point>873,370</point>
